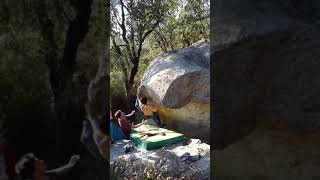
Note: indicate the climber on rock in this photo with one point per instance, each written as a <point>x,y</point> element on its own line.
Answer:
<point>149,109</point>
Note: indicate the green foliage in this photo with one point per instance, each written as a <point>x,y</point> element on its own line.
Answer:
<point>26,98</point>
<point>182,23</point>
<point>185,24</point>
<point>117,90</point>
<point>25,91</point>
<point>26,101</point>
<point>148,55</point>
<point>132,23</point>
<point>23,76</point>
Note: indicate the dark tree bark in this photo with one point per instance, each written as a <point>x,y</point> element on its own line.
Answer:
<point>5,12</point>
<point>61,70</point>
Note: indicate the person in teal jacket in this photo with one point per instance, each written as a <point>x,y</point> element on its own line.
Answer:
<point>115,131</point>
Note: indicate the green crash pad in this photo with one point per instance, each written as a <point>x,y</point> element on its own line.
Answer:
<point>150,137</point>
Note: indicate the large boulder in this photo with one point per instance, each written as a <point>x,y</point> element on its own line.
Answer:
<point>266,88</point>
<point>179,83</point>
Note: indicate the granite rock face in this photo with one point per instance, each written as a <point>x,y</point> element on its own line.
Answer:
<point>161,163</point>
<point>266,86</point>
<point>266,67</point>
<point>179,82</point>
<point>179,77</point>
<point>269,154</point>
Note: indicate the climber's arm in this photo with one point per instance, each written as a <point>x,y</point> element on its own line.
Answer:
<point>132,112</point>
<point>137,125</point>
<point>65,168</point>
<point>140,104</point>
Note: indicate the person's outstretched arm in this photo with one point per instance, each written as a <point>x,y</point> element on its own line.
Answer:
<point>132,112</point>
<point>137,125</point>
<point>65,168</point>
<point>140,104</point>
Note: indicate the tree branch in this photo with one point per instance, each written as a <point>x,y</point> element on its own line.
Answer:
<point>115,16</point>
<point>147,33</point>
<point>124,30</point>
<point>122,65</point>
<point>76,32</point>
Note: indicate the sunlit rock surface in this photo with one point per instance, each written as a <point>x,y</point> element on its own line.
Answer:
<point>179,82</point>
<point>161,163</point>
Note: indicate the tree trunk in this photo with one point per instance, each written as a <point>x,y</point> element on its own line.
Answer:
<point>68,124</point>
<point>131,94</point>
<point>68,134</point>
